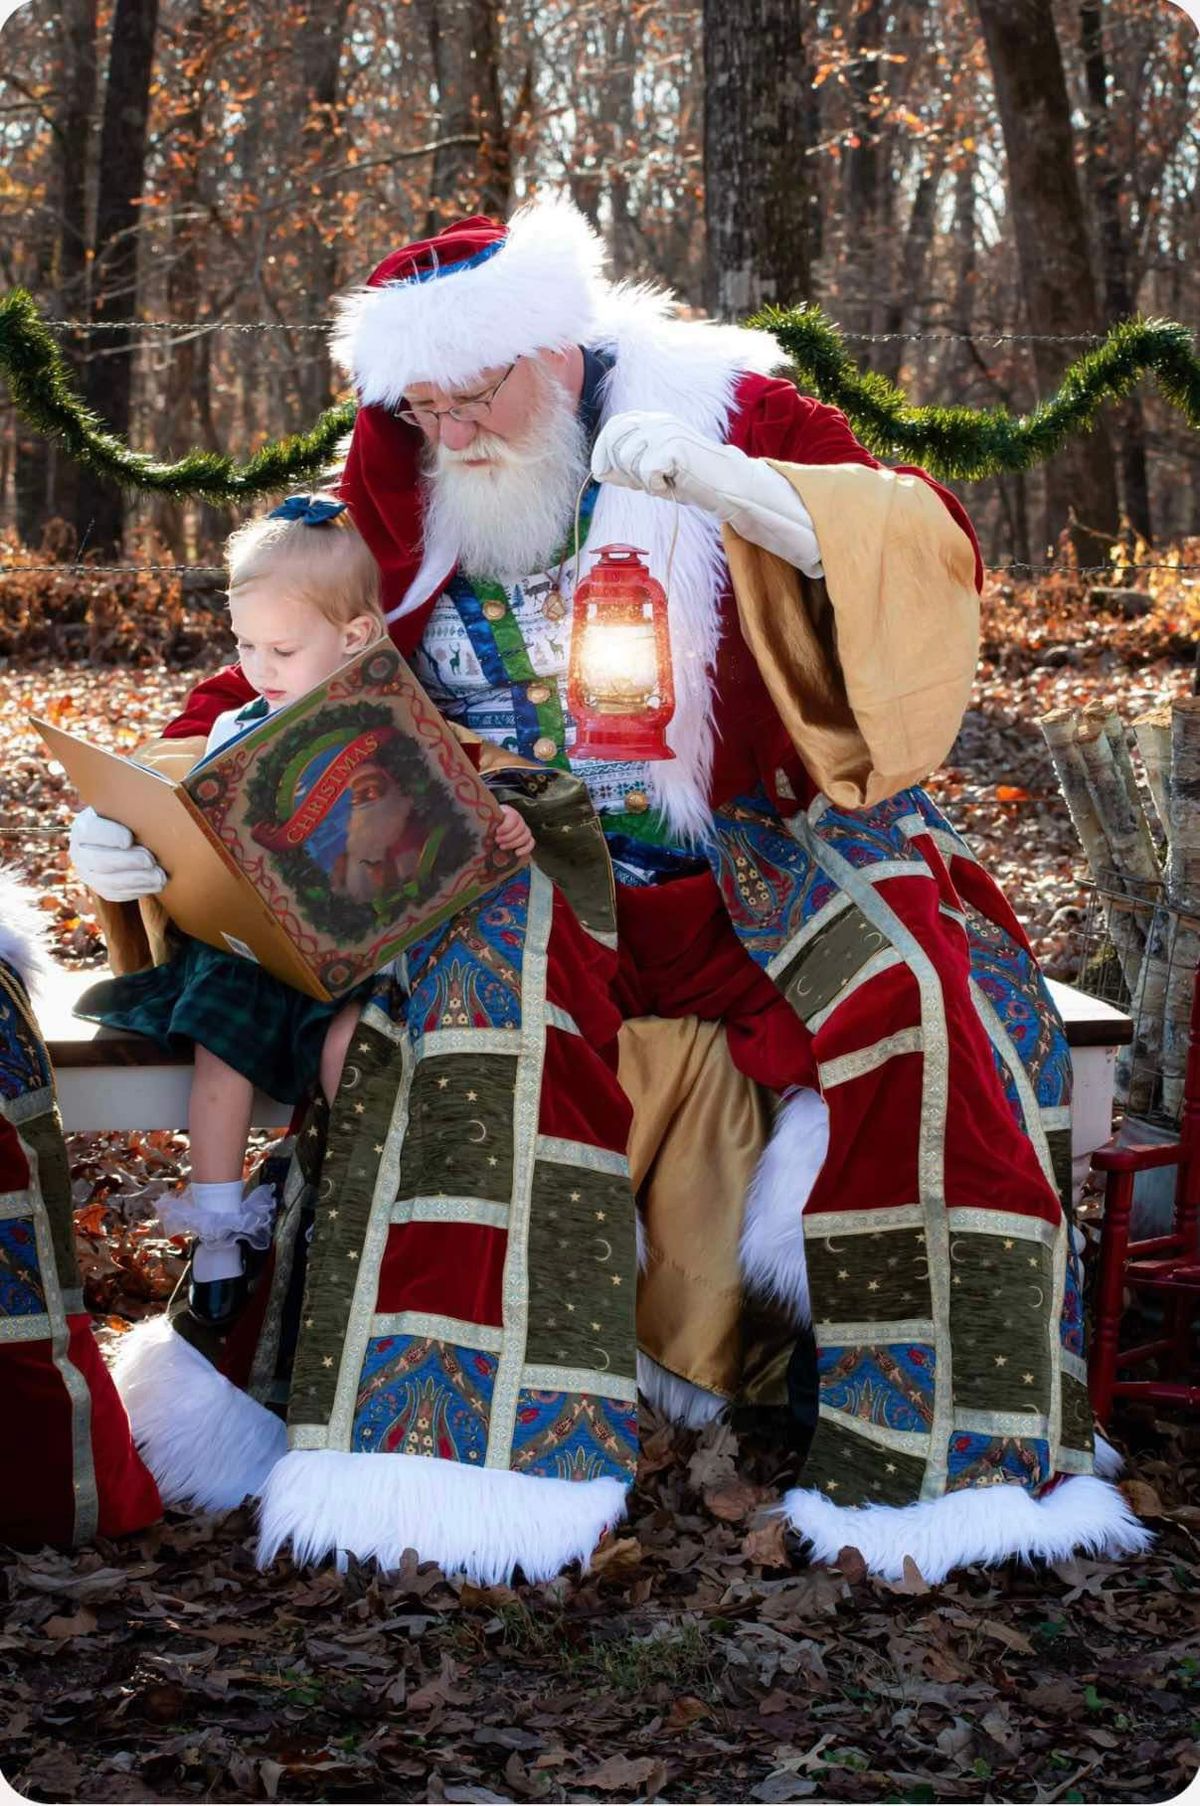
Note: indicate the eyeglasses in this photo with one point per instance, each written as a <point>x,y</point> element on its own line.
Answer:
<point>477,408</point>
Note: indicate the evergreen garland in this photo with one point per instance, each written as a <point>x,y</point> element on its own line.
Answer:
<point>43,393</point>
<point>974,443</point>
<point>957,442</point>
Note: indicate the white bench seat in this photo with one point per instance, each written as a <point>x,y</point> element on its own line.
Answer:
<point>108,1079</point>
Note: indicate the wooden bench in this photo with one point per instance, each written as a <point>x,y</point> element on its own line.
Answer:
<point>108,1079</point>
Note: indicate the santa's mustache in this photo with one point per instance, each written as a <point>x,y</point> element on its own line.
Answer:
<point>492,450</point>
<point>507,516</point>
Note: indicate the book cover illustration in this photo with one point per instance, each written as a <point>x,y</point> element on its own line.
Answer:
<point>356,816</point>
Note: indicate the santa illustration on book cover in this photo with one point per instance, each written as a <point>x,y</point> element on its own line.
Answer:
<point>359,824</point>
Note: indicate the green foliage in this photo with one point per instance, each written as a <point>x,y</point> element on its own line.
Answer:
<point>973,443</point>
<point>44,395</point>
<point>949,442</point>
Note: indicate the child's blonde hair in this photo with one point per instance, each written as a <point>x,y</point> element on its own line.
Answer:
<point>329,564</point>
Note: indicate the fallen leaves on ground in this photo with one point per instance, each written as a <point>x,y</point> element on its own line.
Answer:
<point>700,1659</point>
<point>167,1667</point>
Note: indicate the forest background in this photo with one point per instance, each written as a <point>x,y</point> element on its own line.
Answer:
<point>971,191</point>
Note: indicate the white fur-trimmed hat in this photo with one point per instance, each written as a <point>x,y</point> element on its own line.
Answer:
<point>478,295</point>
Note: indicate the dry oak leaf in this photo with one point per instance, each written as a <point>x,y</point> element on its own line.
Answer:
<point>734,1499</point>
<point>617,1555</point>
<point>766,1543</point>
<point>1142,1498</point>
<point>714,1460</point>
<point>912,1580</point>
<point>850,1564</point>
<point>645,1772</point>
<point>81,1624</point>
<point>685,1710</point>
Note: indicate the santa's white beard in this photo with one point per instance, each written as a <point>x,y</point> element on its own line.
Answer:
<point>508,518</point>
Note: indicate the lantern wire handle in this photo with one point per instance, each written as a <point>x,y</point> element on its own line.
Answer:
<point>584,487</point>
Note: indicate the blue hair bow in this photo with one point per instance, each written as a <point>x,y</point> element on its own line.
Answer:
<point>313,510</point>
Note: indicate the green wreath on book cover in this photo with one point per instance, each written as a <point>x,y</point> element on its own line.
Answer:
<point>448,839</point>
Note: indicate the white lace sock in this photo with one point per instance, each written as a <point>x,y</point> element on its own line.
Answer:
<point>220,1217</point>
<point>217,1256</point>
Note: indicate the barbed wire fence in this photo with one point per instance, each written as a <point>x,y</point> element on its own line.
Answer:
<point>181,331</point>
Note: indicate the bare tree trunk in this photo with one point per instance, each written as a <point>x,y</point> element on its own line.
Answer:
<point>33,465</point>
<point>464,36</point>
<point>1052,247</point>
<point>77,26</point>
<point>965,262</point>
<point>755,137</point>
<point>863,260</point>
<point>100,508</point>
<point>905,305</point>
<point>1105,180</point>
<point>620,124</point>
<point>56,247</point>
<point>320,50</point>
<point>183,272</point>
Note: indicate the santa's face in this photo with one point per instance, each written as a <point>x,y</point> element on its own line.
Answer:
<point>501,491</point>
<point>379,812</point>
<point>504,403</point>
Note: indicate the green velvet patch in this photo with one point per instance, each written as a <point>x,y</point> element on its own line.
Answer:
<point>1001,1298</point>
<point>582,1270</point>
<point>459,1142</point>
<point>849,1470</point>
<point>570,849</point>
<point>1077,1430</point>
<point>826,964</point>
<point>1059,1143</point>
<point>44,1134</point>
<point>357,1139</point>
<point>876,1275</point>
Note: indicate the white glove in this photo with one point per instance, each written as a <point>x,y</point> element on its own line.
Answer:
<point>110,861</point>
<point>666,457</point>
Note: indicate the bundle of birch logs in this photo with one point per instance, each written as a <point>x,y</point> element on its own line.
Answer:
<point>1148,880</point>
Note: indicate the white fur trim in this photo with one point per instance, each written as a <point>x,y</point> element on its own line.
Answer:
<point>436,568</point>
<point>988,1524</point>
<point>772,1249</point>
<point>537,293</point>
<point>690,369</point>
<point>1108,1461</point>
<point>208,1444</point>
<point>680,1401</point>
<point>22,932</point>
<point>481,1522</point>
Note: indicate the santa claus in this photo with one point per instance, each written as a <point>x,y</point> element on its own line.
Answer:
<point>849,1090</point>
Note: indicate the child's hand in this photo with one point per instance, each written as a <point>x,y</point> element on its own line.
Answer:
<point>514,833</point>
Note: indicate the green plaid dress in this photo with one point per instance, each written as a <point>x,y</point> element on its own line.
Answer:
<point>260,1026</point>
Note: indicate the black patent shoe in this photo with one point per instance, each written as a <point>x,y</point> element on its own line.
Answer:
<point>217,1302</point>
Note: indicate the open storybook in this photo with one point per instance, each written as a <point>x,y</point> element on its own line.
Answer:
<point>323,839</point>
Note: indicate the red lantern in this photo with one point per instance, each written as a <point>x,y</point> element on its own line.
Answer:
<point>620,689</point>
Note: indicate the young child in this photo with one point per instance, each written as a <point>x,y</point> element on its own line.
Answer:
<point>303,601</point>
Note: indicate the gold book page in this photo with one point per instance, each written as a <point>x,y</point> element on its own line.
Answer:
<point>204,896</point>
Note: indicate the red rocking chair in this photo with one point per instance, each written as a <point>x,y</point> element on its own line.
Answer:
<point>1167,1266</point>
